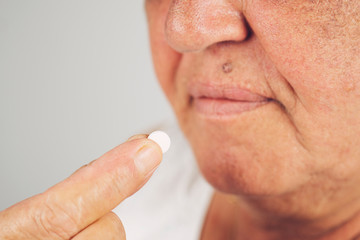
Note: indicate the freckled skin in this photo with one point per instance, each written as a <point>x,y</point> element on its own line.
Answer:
<point>299,156</point>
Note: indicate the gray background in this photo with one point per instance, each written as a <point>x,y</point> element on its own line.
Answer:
<point>76,80</point>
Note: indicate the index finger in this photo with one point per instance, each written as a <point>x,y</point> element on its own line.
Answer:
<point>88,194</point>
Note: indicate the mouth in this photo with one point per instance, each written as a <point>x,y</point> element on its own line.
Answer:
<point>220,101</point>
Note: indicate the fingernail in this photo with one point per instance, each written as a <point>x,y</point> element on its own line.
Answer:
<point>138,136</point>
<point>147,159</point>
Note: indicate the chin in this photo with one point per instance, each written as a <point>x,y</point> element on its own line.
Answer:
<point>242,174</point>
<point>254,153</point>
<point>242,160</point>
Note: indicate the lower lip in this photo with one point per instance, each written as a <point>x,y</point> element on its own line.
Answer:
<point>224,107</point>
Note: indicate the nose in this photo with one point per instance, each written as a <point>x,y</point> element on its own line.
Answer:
<point>194,25</point>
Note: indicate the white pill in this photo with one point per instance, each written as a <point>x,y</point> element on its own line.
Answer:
<point>162,139</point>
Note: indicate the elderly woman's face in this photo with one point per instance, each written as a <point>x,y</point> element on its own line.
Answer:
<point>266,91</point>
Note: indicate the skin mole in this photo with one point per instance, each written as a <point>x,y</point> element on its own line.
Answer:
<point>227,67</point>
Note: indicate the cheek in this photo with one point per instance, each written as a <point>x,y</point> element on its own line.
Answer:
<point>322,70</point>
<point>312,48</point>
<point>165,59</point>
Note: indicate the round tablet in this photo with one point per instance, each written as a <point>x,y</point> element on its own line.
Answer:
<point>162,139</point>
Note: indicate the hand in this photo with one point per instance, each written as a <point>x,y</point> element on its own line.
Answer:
<point>80,206</point>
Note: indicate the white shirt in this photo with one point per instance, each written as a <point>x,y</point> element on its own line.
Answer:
<point>174,203</point>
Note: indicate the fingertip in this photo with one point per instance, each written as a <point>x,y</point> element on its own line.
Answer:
<point>148,157</point>
<point>161,139</point>
<point>141,142</point>
<point>153,144</point>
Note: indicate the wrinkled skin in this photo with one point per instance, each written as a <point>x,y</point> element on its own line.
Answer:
<point>295,160</point>
<point>75,208</point>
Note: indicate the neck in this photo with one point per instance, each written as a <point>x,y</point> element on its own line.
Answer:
<point>258,219</point>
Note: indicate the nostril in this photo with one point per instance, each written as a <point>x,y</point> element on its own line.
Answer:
<point>197,24</point>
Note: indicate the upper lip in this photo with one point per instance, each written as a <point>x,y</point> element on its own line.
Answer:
<point>223,91</point>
